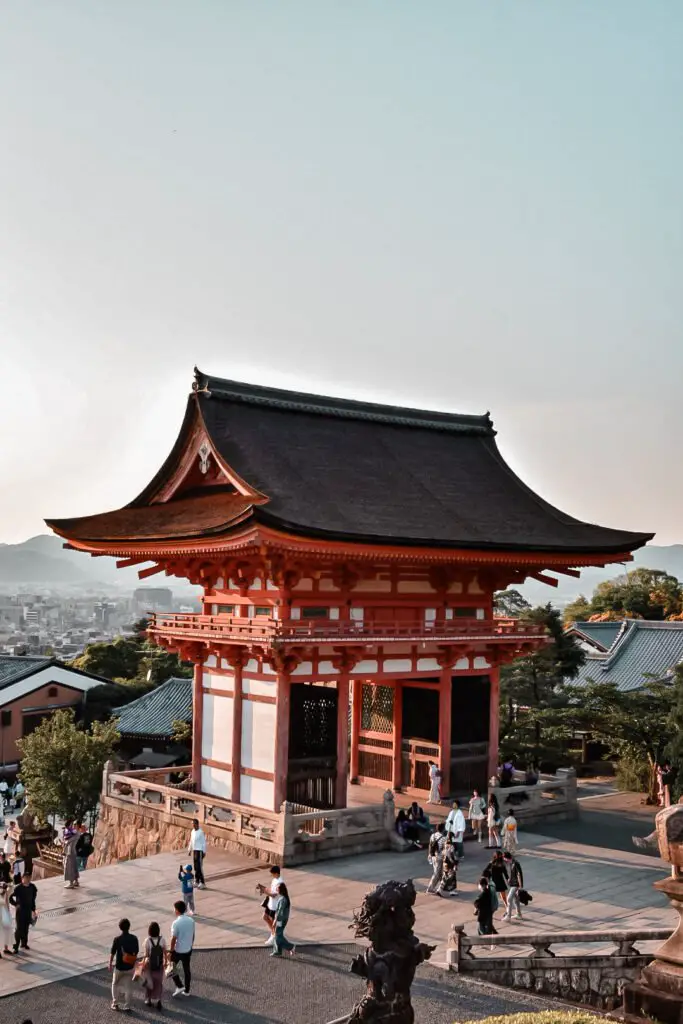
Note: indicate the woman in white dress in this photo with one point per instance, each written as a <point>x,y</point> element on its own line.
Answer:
<point>435,783</point>
<point>6,929</point>
<point>477,813</point>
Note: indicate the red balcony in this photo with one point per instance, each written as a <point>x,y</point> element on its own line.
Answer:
<point>231,629</point>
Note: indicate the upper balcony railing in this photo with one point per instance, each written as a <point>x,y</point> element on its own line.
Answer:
<point>261,628</point>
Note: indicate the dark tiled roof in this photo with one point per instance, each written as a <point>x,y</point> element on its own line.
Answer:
<point>602,633</point>
<point>15,667</point>
<point>642,649</point>
<point>361,472</point>
<point>154,713</point>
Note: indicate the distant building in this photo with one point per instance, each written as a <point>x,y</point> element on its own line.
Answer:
<point>153,599</point>
<point>30,690</point>
<point>629,652</point>
<point>146,725</point>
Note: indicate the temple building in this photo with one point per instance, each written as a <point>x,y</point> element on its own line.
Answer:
<point>348,555</point>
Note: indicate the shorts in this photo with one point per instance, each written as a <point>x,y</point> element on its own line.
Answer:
<point>270,914</point>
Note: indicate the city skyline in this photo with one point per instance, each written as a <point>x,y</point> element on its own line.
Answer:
<point>458,208</point>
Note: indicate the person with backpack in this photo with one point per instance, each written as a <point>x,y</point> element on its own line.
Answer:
<point>483,908</point>
<point>435,853</point>
<point>516,884</point>
<point>156,952</point>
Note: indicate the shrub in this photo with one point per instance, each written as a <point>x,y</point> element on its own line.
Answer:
<point>633,772</point>
<point>544,1017</point>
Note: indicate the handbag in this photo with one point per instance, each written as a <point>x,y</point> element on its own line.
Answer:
<point>524,897</point>
<point>129,959</point>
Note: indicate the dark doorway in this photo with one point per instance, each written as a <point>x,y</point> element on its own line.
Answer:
<point>312,769</point>
<point>470,711</point>
<point>420,718</point>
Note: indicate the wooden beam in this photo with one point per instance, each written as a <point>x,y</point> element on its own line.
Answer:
<point>568,572</point>
<point>152,571</point>
<point>125,563</point>
<point>542,578</point>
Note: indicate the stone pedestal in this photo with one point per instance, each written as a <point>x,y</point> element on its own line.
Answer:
<point>659,993</point>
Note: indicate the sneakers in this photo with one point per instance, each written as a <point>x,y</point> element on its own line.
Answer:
<point>270,941</point>
<point>177,992</point>
<point>115,1006</point>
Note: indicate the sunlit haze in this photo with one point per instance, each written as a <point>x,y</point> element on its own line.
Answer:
<point>455,205</point>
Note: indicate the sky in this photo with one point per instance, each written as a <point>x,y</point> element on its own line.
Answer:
<point>454,205</point>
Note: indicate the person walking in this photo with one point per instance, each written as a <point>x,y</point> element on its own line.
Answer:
<point>5,917</point>
<point>122,959</point>
<point>156,952</point>
<point>516,876</point>
<point>5,869</point>
<point>71,872</point>
<point>182,941</point>
<point>269,904</point>
<point>24,900</point>
<point>510,833</point>
<point>435,854</point>
<point>434,783</point>
<point>197,847</point>
<point>449,881</point>
<point>84,846</point>
<point>493,823</point>
<point>483,908</point>
<point>9,845</point>
<point>282,911</point>
<point>455,823</point>
<point>476,814</point>
<point>187,887</point>
<point>499,876</point>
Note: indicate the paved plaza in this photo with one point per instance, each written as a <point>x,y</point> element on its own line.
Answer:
<point>575,886</point>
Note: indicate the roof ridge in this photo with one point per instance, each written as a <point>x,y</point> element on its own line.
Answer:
<point>344,408</point>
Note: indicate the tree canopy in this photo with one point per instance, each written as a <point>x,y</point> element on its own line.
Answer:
<point>61,765</point>
<point>509,604</point>
<point>639,594</point>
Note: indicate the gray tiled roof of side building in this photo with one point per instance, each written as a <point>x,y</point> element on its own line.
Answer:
<point>642,650</point>
<point>603,633</point>
<point>14,667</point>
<point>154,713</point>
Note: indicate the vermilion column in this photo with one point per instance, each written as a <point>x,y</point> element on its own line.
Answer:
<point>445,711</point>
<point>397,772</point>
<point>236,760</point>
<point>342,740</point>
<point>356,708</point>
<point>197,716</point>
<point>494,720</point>
<point>282,739</point>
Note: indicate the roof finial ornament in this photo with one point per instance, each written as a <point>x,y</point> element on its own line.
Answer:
<point>204,456</point>
<point>200,384</point>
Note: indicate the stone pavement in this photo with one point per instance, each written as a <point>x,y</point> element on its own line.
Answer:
<point>574,886</point>
<point>243,986</point>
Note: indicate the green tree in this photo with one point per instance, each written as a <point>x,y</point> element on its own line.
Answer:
<point>533,692</point>
<point>61,765</point>
<point>132,659</point>
<point>509,604</point>
<point>579,610</point>
<point>182,732</point>
<point>640,594</point>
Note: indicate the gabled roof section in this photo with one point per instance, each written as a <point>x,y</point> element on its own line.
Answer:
<point>154,713</point>
<point>641,650</point>
<point>600,635</point>
<point>14,667</point>
<point>357,472</point>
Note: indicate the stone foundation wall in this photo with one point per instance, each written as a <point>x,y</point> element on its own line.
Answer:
<point>124,832</point>
<point>598,983</point>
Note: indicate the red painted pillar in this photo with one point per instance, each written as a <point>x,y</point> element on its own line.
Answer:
<point>445,713</point>
<point>494,720</point>
<point>356,708</point>
<point>236,759</point>
<point>282,739</point>
<point>397,772</point>
<point>197,717</point>
<point>342,740</point>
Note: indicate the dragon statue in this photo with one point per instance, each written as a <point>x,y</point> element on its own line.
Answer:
<point>386,919</point>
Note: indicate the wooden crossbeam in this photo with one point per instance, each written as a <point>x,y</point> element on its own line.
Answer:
<point>125,563</point>
<point>542,578</point>
<point>152,571</point>
<point>568,572</point>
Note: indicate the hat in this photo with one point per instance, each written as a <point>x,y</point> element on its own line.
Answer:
<point>188,867</point>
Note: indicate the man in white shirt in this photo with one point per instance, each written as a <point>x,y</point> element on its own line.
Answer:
<point>182,941</point>
<point>270,904</point>
<point>10,846</point>
<point>455,823</point>
<point>197,847</point>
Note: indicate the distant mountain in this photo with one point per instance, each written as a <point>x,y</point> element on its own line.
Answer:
<point>670,559</point>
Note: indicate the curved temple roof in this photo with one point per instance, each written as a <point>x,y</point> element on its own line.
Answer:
<point>353,471</point>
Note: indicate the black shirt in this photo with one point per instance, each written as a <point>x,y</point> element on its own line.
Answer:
<point>516,874</point>
<point>124,943</point>
<point>24,898</point>
<point>84,845</point>
<point>5,871</point>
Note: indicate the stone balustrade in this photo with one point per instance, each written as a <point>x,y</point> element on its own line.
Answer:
<point>582,973</point>
<point>551,798</point>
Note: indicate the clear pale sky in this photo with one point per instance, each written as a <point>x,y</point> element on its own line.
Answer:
<point>456,205</point>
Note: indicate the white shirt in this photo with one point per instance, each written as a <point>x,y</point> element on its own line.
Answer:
<point>274,894</point>
<point>3,786</point>
<point>10,846</point>
<point>433,771</point>
<point>197,841</point>
<point>182,930</point>
<point>455,822</point>
<point>510,824</point>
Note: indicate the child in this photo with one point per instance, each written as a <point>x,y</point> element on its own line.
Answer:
<point>187,887</point>
<point>510,833</point>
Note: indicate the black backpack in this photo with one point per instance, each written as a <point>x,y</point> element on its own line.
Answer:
<point>156,956</point>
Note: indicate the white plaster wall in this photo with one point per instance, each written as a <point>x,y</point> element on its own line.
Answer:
<point>257,792</point>
<point>217,782</point>
<point>365,666</point>
<point>325,583</point>
<point>481,663</point>
<point>428,665</point>
<point>397,665</point>
<point>474,587</point>
<point>373,586</point>
<point>251,665</point>
<point>260,686</point>
<point>334,613</point>
<point>258,735</point>
<point>304,669</point>
<point>217,728</point>
<point>462,663</point>
<point>414,587</point>
<point>327,668</point>
<point>304,584</point>
<point>212,681</point>
<point>455,588</point>
<point>210,661</point>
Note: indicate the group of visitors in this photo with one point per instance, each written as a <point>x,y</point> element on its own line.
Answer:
<point>276,906</point>
<point>413,825</point>
<point>21,896</point>
<point>157,958</point>
<point>501,881</point>
<point>11,796</point>
<point>77,843</point>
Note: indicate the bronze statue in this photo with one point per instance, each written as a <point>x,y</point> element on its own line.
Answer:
<point>386,918</point>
